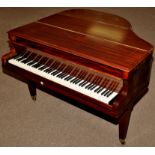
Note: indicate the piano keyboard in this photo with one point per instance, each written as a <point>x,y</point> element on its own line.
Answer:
<point>97,87</point>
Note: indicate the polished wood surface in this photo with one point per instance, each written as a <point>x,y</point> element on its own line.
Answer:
<point>107,43</point>
<point>99,42</point>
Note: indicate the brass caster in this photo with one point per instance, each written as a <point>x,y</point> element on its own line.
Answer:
<point>34,98</point>
<point>122,141</point>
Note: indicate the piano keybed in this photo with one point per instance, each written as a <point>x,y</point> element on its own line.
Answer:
<point>82,79</point>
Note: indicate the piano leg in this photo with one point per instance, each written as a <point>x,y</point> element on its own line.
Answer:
<point>123,126</point>
<point>32,90</point>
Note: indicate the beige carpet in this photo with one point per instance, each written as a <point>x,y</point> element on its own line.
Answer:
<point>52,122</point>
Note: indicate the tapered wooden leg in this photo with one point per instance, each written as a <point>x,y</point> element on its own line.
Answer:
<point>32,90</point>
<point>123,126</point>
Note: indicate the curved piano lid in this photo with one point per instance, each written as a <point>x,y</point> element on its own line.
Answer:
<point>109,27</point>
<point>101,37</point>
<point>100,17</point>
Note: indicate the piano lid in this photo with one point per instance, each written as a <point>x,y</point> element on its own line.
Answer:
<point>100,37</point>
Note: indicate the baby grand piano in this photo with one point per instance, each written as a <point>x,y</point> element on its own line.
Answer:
<point>92,59</point>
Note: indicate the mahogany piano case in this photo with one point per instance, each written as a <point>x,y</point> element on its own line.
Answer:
<point>91,59</point>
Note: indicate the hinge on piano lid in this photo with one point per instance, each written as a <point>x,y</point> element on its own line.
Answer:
<point>8,55</point>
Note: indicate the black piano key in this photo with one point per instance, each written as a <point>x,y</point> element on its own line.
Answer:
<point>38,59</point>
<point>105,94</point>
<point>99,83</point>
<point>30,58</point>
<point>49,70</point>
<point>60,74</point>
<point>97,89</point>
<point>19,54</point>
<point>100,90</point>
<point>56,70</point>
<point>77,81</point>
<point>80,84</point>
<point>25,60</point>
<point>55,73</point>
<point>67,72</point>
<point>77,77</point>
<point>34,60</point>
<point>105,91</point>
<point>22,56</point>
<point>80,78</point>
<point>16,57</point>
<point>46,70</point>
<point>72,74</point>
<point>84,83</point>
<point>36,65</point>
<point>95,81</point>
<point>86,87</point>
<point>109,93</point>
<point>63,73</point>
<point>47,64</point>
<point>66,78</point>
<point>73,79</point>
<point>89,88</point>
<point>42,68</point>
<point>82,75</point>
<point>31,63</point>
<point>53,70</point>
<point>62,77</point>
<point>111,85</point>
<point>26,54</point>
<point>41,62</point>
<point>93,87</point>
<point>39,65</point>
<point>25,57</point>
<point>70,78</point>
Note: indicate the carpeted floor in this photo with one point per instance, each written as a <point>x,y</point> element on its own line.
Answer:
<point>52,122</point>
